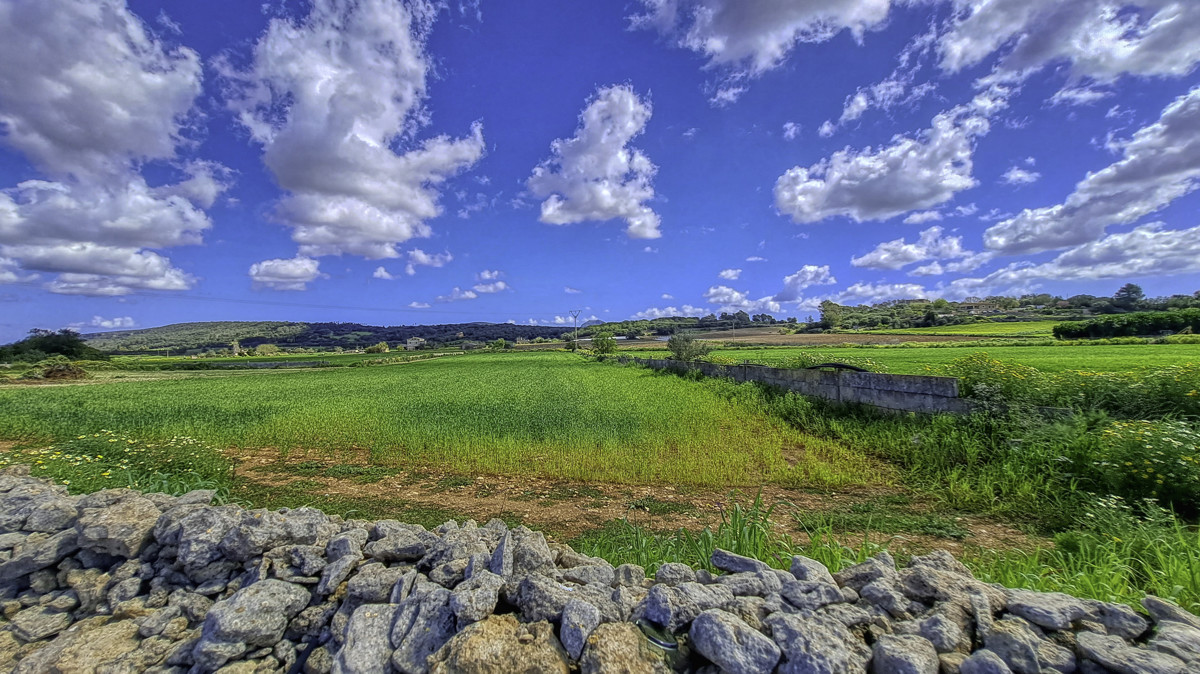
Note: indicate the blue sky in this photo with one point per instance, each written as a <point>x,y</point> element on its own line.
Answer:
<point>394,162</point>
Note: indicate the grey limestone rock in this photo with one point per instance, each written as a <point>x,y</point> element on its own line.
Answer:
<point>731,644</point>
<point>734,563</point>
<point>674,573</point>
<point>39,622</point>
<point>1049,610</point>
<point>200,534</point>
<point>256,615</point>
<point>397,546</point>
<point>942,632</point>
<point>674,607</point>
<point>475,598</point>
<point>37,552</point>
<point>859,575</point>
<point>807,569</point>
<point>579,619</point>
<point>367,646</point>
<point>588,574</point>
<point>500,645</point>
<point>373,583</point>
<point>531,554</point>
<point>1161,610</point>
<point>904,654</point>
<point>1117,619</point>
<point>339,570</point>
<point>1118,656</point>
<point>541,598</point>
<point>449,574</point>
<point>121,529</point>
<point>812,645</point>
<point>346,543</point>
<point>630,575</point>
<point>1178,639</point>
<point>502,557</point>
<point>984,661</point>
<point>52,516</point>
<point>810,596</point>
<point>423,625</point>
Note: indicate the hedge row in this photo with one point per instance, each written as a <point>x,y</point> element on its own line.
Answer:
<point>1129,325</point>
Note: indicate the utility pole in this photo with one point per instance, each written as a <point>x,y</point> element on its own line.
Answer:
<point>575,316</point>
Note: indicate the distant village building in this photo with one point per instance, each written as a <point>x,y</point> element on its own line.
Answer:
<point>974,308</point>
<point>414,343</point>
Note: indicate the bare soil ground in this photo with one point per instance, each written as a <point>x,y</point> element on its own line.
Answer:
<point>566,510</point>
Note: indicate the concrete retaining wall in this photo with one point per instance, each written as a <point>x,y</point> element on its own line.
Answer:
<point>898,392</point>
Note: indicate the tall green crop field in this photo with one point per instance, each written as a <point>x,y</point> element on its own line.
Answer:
<point>548,414</point>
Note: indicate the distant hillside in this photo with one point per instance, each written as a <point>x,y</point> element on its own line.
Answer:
<point>219,335</point>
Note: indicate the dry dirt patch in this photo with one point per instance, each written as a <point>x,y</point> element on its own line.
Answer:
<point>566,510</point>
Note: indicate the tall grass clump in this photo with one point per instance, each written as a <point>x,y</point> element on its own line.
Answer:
<point>109,459</point>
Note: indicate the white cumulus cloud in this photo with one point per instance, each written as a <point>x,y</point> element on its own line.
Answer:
<point>328,98</point>
<point>743,39</point>
<point>419,258</point>
<point>667,312</point>
<point>1016,175</point>
<point>1159,164</point>
<point>808,275</point>
<point>595,175</point>
<point>730,274</point>
<point>493,287</point>
<point>285,274</point>
<point>457,294</point>
<point>89,115</point>
<point>383,273</point>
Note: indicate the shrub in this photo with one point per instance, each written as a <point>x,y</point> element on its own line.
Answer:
<point>604,343</point>
<point>686,347</point>
<point>1149,459</point>
<point>1130,325</point>
<point>55,367</point>
<point>811,358</point>
<point>381,347</point>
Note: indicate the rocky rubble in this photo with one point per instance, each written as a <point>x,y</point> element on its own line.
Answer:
<point>119,581</point>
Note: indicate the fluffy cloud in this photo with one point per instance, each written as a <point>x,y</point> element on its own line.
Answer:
<point>871,293</point>
<point>930,245</point>
<point>571,291</point>
<point>290,274</point>
<point>383,273</point>
<point>418,305</point>
<point>910,173</point>
<point>595,175</point>
<point>735,300</point>
<point>493,287</point>
<point>112,323</point>
<point>489,274</point>
<point>10,272</point>
<point>327,98</point>
<point>1097,39</point>
<point>790,130</point>
<point>457,294</point>
<point>922,217</point>
<point>730,274</point>
<point>89,114</point>
<point>1159,164</point>
<point>756,258</point>
<point>1016,175</point>
<point>419,258</point>
<point>746,38</point>
<point>667,312</point>
<point>808,275</point>
<point>896,90</point>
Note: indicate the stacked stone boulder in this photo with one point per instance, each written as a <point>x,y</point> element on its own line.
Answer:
<point>119,581</point>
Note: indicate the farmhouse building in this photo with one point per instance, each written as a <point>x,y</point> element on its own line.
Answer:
<point>414,343</point>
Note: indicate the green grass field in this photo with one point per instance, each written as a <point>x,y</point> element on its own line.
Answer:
<point>1013,329</point>
<point>550,414</point>
<point>915,360</point>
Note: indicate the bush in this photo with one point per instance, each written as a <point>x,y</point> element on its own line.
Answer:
<point>811,358</point>
<point>1130,325</point>
<point>604,343</point>
<point>381,347</point>
<point>686,347</point>
<point>1159,460</point>
<point>55,367</point>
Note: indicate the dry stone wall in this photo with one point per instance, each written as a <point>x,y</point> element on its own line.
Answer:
<point>119,581</point>
<point>896,392</point>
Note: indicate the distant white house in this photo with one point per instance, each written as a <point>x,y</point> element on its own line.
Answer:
<point>414,343</point>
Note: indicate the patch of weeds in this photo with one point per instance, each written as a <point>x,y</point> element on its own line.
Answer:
<point>301,494</point>
<point>454,482</point>
<point>510,518</point>
<point>561,492</point>
<point>872,516</point>
<point>360,474</point>
<point>304,468</point>
<point>656,506</point>
<point>427,516</point>
<point>306,484</point>
<point>419,475</point>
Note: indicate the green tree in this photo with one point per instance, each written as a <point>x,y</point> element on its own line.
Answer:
<point>604,343</point>
<point>1128,296</point>
<point>499,345</point>
<point>686,347</point>
<point>381,347</point>
<point>266,350</point>
<point>42,343</point>
<point>831,314</point>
